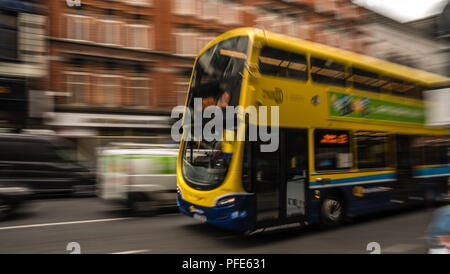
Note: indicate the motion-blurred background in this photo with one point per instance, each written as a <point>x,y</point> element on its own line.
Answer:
<point>93,82</point>
<point>96,71</point>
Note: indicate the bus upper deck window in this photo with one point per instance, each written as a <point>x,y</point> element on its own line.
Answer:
<point>280,63</point>
<point>366,80</point>
<point>328,72</point>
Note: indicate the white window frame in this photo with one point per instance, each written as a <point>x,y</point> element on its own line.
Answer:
<point>146,89</point>
<point>102,35</point>
<point>86,27</point>
<point>189,38</point>
<point>85,88</point>
<point>100,84</point>
<point>148,44</point>
<point>231,14</point>
<point>139,3</point>
<point>202,41</point>
<point>208,10</point>
<point>266,20</point>
<point>304,31</point>
<point>181,93</point>
<point>184,7</point>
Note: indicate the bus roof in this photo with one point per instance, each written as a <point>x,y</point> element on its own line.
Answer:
<point>348,57</point>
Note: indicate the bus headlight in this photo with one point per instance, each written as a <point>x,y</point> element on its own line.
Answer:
<point>226,201</point>
<point>179,191</point>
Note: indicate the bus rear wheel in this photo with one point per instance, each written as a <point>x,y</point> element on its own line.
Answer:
<point>332,211</point>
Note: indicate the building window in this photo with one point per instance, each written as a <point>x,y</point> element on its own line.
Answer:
<point>78,27</point>
<point>109,32</point>
<point>371,149</point>
<point>32,39</point>
<point>268,21</point>
<point>290,27</point>
<point>202,41</point>
<point>8,34</point>
<point>207,9</point>
<point>138,36</point>
<point>77,87</point>
<point>186,42</point>
<point>230,14</point>
<point>108,89</point>
<point>181,88</point>
<point>332,150</point>
<point>138,92</point>
<point>139,3</point>
<point>284,25</point>
<point>184,7</point>
<point>303,30</point>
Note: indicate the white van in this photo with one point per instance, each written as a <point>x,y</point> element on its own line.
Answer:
<point>141,177</point>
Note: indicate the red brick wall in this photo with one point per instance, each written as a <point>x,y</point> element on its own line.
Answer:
<point>160,67</point>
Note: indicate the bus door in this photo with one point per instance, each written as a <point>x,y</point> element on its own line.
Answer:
<point>405,185</point>
<point>294,187</point>
<point>266,167</point>
<point>280,180</point>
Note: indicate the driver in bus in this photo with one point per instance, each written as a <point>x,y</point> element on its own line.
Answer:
<point>224,100</point>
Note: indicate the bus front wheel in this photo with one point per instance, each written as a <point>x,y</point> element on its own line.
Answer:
<point>332,211</point>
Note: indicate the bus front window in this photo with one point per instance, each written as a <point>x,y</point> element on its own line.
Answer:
<point>216,81</point>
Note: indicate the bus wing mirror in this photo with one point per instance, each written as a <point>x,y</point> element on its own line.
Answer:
<point>252,70</point>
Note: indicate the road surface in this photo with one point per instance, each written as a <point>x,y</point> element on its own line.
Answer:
<point>48,226</point>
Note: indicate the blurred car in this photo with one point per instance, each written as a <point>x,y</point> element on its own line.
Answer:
<point>12,197</point>
<point>140,177</point>
<point>439,231</point>
<point>44,164</point>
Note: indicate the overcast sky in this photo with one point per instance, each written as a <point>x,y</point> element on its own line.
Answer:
<point>404,10</point>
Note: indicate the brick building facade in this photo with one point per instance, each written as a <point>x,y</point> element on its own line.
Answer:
<point>115,64</point>
<point>138,54</point>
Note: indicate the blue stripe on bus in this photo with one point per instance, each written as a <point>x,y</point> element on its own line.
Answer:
<point>362,179</point>
<point>444,170</point>
<point>435,171</point>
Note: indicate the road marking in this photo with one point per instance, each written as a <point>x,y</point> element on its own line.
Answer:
<point>228,237</point>
<point>64,223</point>
<point>400,248</point>
<point>132,251</point>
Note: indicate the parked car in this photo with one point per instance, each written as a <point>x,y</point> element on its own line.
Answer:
<point>439,231</point>
<point>12,197</point>
<point>140,177</point>
<point>44,164</point>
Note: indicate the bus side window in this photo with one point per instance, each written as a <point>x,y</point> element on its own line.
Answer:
<point>417,148</point>
<point>332,150</point>
<point>371,149</point>
<point>280,63</point>
<point>366,80</point>
<point>402,88</point>
<point>328,72</point>
<point>436,150</point>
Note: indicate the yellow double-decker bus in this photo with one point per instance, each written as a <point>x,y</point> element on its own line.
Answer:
<point>350,135</point>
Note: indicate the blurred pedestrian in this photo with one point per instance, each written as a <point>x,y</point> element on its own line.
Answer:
<point>439,231</point>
